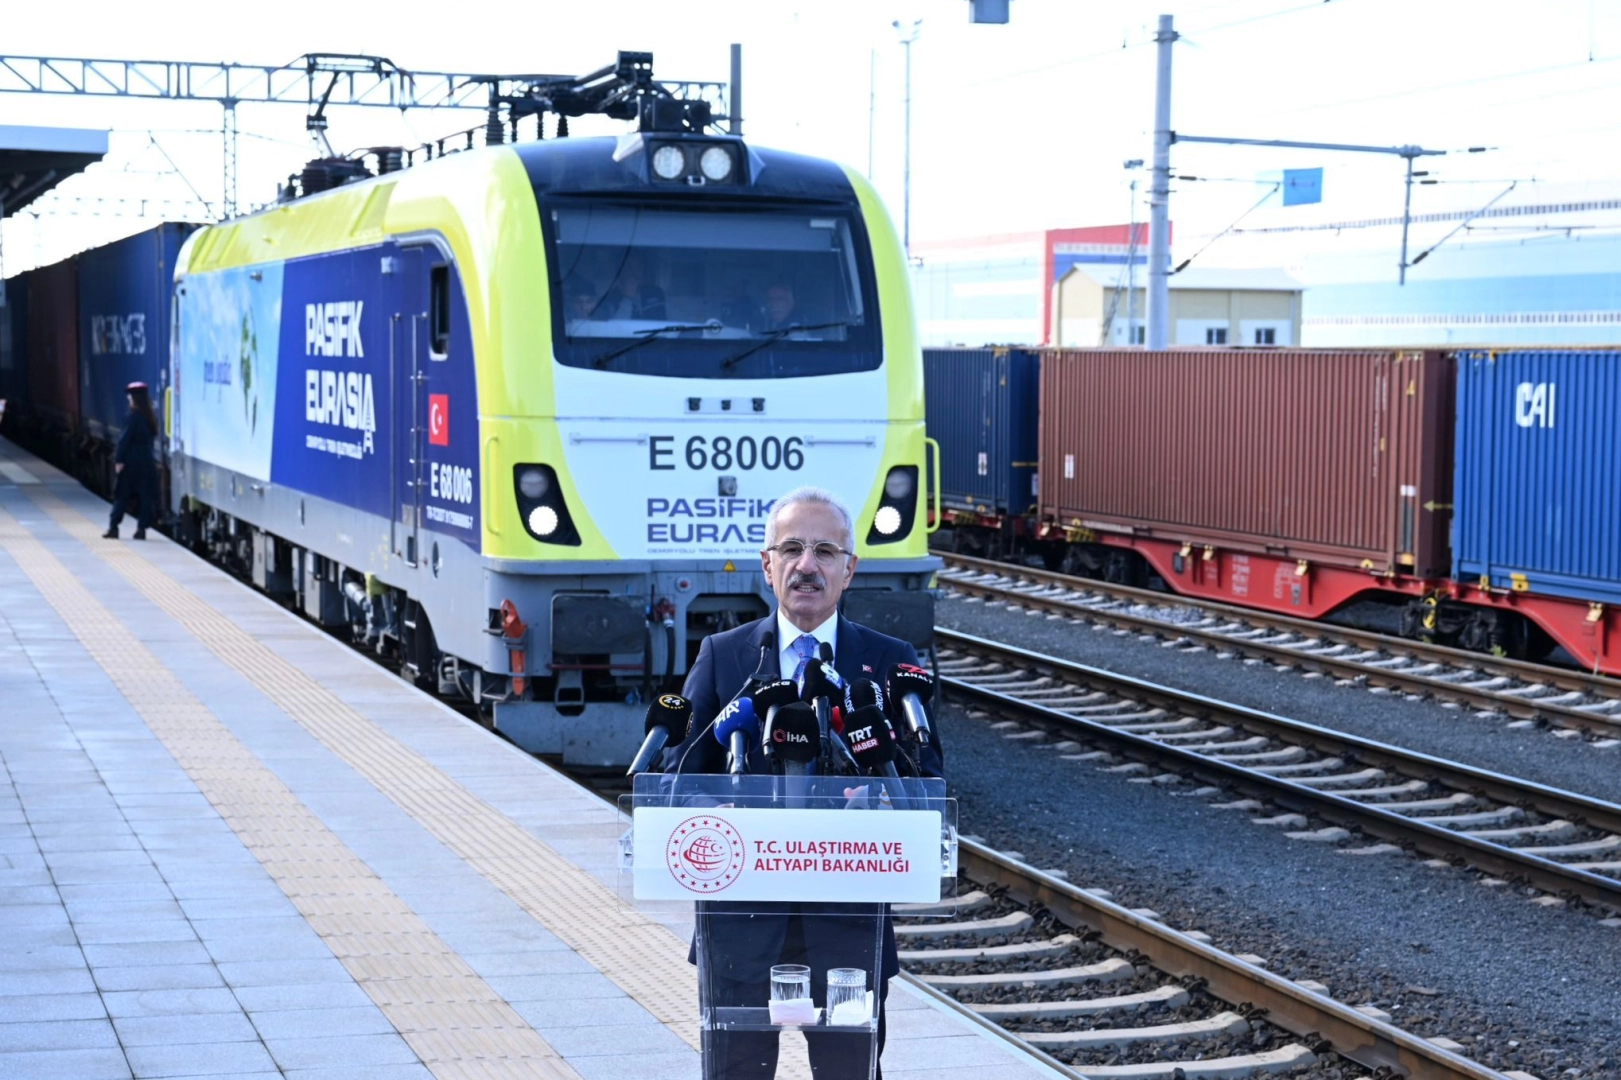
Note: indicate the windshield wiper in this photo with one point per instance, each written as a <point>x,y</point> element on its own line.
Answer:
<point>652,334</point>
<point>773,336</point>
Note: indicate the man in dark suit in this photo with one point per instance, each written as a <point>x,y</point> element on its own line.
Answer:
<point>809,561</point>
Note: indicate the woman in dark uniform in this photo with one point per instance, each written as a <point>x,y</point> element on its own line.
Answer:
<point>137,472</point>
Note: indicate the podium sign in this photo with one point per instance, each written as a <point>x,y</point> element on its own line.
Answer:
<point>746,854</point>
<point>788,879</point>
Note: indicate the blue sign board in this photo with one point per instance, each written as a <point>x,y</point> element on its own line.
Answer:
<point>1302,186</point>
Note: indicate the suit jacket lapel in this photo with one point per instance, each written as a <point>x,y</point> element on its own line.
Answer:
<point>748,663</point>
<point>757,635</point>
<point>851,647</point>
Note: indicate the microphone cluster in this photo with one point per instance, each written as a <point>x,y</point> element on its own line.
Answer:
<point>784,718</point>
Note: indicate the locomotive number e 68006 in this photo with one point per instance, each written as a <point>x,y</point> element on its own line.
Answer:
<point>725,453</point>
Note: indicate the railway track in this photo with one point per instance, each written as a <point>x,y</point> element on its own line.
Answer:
<point>1567,845</point>
<point>1102,992</point>
<point>1109,993</point>
<point>1560,697</point>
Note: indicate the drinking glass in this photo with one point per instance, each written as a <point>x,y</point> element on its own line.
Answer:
<point>790,982</point>
<point>791,995</point>
<point>847,996</point>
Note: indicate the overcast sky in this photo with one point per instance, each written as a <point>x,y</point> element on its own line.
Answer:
<point>1015,127</point>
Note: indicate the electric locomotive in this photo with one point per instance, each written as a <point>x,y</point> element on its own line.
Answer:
<point>518,414</point>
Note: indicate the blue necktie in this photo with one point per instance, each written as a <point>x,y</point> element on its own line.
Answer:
<point>805,648</point>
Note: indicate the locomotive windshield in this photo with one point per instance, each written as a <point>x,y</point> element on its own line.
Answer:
<point>710,292</point>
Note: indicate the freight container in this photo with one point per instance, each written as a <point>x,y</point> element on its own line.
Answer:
<point>1539,473</point>
<point>1302,459</point>
<point>53,345</point>
<point>124,295</point>
<point>981,406</point>
<point>14,347</point>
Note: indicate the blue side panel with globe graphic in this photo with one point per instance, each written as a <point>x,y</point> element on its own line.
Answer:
<point>226,373</point>
<point>322,375</point>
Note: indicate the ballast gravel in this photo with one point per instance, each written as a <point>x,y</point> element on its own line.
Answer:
<point>1520,986</point>
<point>1426,726</point>
<point>1194,1005</point>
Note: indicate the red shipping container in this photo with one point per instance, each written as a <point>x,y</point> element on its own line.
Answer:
<point>1338,458</point>
<point>53,343</point>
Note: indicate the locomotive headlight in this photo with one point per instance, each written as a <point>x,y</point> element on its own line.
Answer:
<point>669,162</point>
<point>897,508</point>
<point>716,163</point>
<point>533,484</point>
<point>543,521</point>
<point>541,506</point>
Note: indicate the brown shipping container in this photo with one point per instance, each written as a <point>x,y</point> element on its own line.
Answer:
<point>53,343</point>
<point>1341,458</point>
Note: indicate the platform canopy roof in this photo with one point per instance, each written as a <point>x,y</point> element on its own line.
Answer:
<point>33,160</point>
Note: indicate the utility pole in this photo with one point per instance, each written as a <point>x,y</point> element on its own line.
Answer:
<point>1159,241</point>
<point>228,132</point>
<point>908,36</point>
<point>1131,257</point>
<point>872,103</point>
<point>1406,219</point>
<point>1131,269</point>
<point>734,103</point>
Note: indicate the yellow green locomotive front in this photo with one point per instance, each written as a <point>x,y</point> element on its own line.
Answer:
<point>519,413</point>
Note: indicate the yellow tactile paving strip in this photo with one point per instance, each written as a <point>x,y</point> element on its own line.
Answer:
<point>638,955</point>
<point>446,1013</point>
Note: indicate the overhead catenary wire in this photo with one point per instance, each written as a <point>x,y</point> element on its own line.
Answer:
<point>1464,224</point>
<point>1435,88</point>
<point>1183,265</point>
<point>180,173</point>
<point>1142,41</point>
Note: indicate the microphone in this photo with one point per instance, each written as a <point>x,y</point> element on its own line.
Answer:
<point>792,738</point>
<point>821,680</point>
<point>872,741</point>
<point>910,689</point>
<point>735,728</point>
<point>821,686</point>
<point>862,693</point>
<point>773,694</point>
<point>668,713</point>
<point>766,670</point>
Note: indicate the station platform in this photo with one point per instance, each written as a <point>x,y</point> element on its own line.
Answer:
<point>231,846</point>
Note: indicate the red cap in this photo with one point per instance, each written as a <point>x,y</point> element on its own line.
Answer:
<point>136,386</point>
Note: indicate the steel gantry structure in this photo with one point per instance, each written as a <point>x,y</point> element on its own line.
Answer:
<point>321,80</point>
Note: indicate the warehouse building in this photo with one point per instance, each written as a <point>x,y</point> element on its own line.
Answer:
<point>998,289</point>
<point>1207,307</point>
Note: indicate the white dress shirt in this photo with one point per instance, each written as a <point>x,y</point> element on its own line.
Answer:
<point>788,633</point>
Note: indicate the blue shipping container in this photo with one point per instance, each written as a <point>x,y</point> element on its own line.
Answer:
<point>1538,486</point>
<point>14,345</point>
<point>124,294</point>
<point>981,407</point>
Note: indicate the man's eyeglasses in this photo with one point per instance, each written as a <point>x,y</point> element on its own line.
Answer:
<point>793,550</point>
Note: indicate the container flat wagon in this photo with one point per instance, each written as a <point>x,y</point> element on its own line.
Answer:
<point>981,406</point>
<point>1294,478</point>
<point>1538,495</point>
<point>1475,494</point>
<point>75,335</point>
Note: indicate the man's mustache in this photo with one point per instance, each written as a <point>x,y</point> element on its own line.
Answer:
<point>797,579</point>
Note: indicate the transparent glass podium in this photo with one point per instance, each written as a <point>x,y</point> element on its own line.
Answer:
<point>788,880</point>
